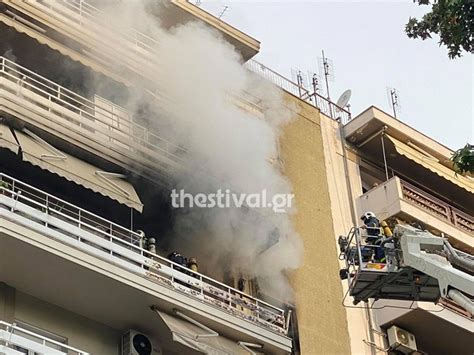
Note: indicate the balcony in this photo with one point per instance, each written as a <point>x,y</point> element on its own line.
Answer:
<point>425,319</point>
<point>136,49</point>
<point>396,197</point>
<point>77,248</point>
<point>409,154</point>
<point>81,21</point>
<point>97,126</point>
<point>15,340</point>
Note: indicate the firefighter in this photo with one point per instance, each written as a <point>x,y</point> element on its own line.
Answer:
<point>375,234</point>
<point>372,224</point>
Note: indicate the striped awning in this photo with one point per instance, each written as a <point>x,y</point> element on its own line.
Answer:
<point>64,50</point>
<point>432,164</point>
<point>40,153</point>
<point>7,140</point>
<point>192,335</point>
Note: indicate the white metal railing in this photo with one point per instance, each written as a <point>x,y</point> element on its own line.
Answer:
<point>74,226</point>
<point>91,117</point>
<point>326,106</point>
<point>276,78</point>
<point>80,11</point>
<point>16,338</point>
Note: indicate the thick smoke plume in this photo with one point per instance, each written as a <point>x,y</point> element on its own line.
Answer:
<point>198,78</point>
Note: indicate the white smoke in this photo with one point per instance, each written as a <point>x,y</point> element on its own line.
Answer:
<point>198,77</point>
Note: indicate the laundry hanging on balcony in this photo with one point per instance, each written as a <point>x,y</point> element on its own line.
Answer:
<point>40,153</point>
<point>194,335</point>
<point>431,164</point>
<point>7,140</point>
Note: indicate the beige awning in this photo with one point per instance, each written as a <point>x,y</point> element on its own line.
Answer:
<point>7,140</point>
<point>432,164</point>
<point>200,338</point>
<point>38,152</point>
<point>64,50</point>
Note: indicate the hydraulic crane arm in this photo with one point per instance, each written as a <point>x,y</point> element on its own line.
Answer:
<point>418,266</point>
<point>419,252</point>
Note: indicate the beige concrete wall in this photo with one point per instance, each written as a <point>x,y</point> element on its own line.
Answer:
<point>343,220</point>
<point>321,318</point>
<point>82,333</point>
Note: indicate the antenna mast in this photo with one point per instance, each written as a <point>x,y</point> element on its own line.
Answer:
<point>315,82</point>
<point>223,12</point>
<point>328,71</point>
<point>394,100</point>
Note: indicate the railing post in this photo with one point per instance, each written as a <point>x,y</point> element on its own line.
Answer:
<point>202,288</point>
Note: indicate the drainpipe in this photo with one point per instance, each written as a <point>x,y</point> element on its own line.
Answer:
<point>354,224</point>
<point>346,173</point>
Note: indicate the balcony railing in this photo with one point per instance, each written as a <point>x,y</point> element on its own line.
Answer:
<point>119,129</point>
<point>16,340</point>
<point>326,106</point>
<point>437,207</point>
<point>57,219</point>
<point>80,12</point>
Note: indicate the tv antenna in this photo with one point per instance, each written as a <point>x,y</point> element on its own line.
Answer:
<point>394,100</point>
<point>326,68</point>
<point>315,84</point>
<point>302,81</point>
<point>223,11</point>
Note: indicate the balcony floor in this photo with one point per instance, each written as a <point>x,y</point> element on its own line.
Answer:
<point>101,291</point>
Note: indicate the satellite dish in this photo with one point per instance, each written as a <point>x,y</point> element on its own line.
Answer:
<point>344,99</point>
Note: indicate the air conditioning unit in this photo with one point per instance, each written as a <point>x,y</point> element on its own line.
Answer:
<point>401,340</point>
<point>137,343</point>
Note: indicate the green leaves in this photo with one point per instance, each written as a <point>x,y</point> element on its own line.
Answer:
<point>463,159</point>
<point>452,20</point>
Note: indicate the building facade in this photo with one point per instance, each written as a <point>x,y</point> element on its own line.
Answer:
<point>404,177</point>
<point>77,169</point>
<point>81,176</point>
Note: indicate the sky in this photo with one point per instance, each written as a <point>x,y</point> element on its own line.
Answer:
<point>370,52</point>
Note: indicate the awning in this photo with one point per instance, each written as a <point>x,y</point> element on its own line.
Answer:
<point>194,336</point>
<point>432,165</point>
<point>38,152</point>
<point>64,50</point>
<point>7,140</point>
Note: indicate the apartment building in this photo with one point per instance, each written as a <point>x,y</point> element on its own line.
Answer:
<point>82,177</point>
<point>404,177</point>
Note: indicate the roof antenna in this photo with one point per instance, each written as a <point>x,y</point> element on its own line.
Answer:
<point>302,82</point>
<point>223,12</point>
<point>326,68</point>
<point>394,100</point>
